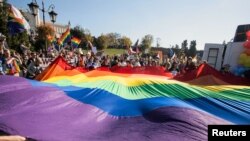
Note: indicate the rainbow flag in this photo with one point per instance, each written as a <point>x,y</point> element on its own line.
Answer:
<point>16,21</point>
<point>143,103</point>
<point>75,42</point>
<point>66,36</point>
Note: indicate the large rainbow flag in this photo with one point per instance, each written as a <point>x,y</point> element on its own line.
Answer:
<point>121,103</point>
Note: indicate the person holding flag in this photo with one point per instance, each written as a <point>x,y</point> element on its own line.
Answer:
<point>93,48</point>
<point>134,49</point>
<point>130,50</point>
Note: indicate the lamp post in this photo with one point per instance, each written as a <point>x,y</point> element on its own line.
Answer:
<point>53,15</point>
<point>34,7</point>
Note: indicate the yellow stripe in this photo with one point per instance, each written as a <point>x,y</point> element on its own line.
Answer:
<point>224,87</point>
<point>134,80</point>
<point>126,81</point>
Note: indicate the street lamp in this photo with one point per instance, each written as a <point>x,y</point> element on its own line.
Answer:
<point>52,15</point>
<point>34,9</point>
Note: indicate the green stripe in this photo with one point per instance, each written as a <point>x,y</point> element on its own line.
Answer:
<point>160,90</point>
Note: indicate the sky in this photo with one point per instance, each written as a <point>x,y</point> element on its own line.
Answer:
<point>169,21</point>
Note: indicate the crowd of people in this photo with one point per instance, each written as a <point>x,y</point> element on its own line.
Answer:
<point>91,61</point>
<point>29,64</point>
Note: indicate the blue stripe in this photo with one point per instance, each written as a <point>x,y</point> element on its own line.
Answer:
<point>234,111</point>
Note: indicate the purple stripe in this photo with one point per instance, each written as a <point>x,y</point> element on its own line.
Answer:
<point>11,83</point>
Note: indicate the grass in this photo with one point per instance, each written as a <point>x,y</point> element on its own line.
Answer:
<point>110,51</point>
<point>114,51</point>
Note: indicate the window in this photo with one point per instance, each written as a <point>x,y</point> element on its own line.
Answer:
<point>212,56</point>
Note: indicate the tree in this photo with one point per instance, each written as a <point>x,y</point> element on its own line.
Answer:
<point>15,40</point>
<point>146,42</point>
<point>87,36</point>
<point>102,42</point>
<point>77,31</point>
<point>125,41</point>
<point>192,49</point>
<point>4,17</point>
<point>184,48</point>
<point>43,32</point>
<point>113,40</point>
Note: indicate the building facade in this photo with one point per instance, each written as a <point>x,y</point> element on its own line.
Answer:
<point>34,22</point>
<point>58,28</point>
